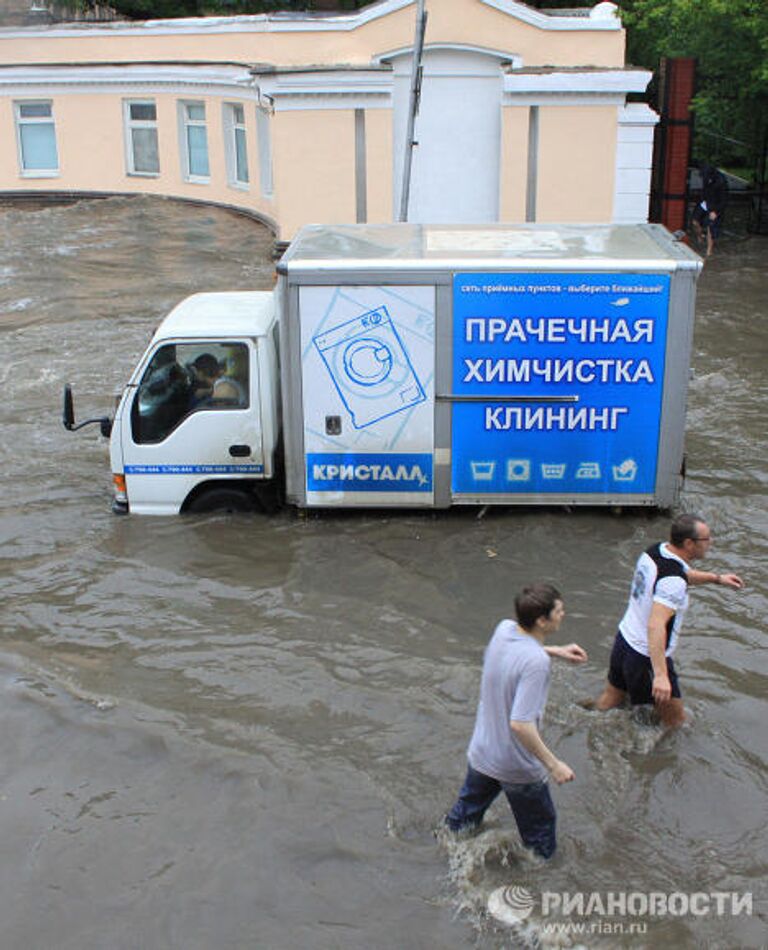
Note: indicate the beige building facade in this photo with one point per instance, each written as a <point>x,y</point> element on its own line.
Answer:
<point>300,118</point>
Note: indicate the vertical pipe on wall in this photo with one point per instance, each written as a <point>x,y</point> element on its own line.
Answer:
<point>413,107</point>
<point>361,175</point>
<point>264,146</point>
<point>533,163</point>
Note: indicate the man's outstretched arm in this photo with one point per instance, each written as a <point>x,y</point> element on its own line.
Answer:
<point>570,651</point>
<point>708,577</point>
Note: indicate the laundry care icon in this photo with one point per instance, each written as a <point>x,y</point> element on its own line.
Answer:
<point>370,367</point>
<point>518,470</point>
<point>626,471</point>
<point>588,470</point>
<point>483,471</point>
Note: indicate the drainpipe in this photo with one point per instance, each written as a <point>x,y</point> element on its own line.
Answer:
<point>413,106</point>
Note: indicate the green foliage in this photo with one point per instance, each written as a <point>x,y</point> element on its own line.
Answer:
<point>729,39</point>
<point>157,9</point>
<point>161,9</point>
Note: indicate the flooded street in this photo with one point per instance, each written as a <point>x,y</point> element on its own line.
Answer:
<point>242,732</point>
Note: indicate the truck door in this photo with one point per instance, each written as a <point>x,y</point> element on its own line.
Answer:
<point>193,416</point>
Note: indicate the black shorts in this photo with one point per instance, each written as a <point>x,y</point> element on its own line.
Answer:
<point>703,218</point>
<point>632,673</point>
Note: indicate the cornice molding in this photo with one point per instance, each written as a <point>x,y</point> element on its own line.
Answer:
<point>602,18</point>
<point>518,82</point>
<point>322,88</point>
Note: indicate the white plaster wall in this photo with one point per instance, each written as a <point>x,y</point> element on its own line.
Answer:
<point>455,166</point>
<point>634,160</point>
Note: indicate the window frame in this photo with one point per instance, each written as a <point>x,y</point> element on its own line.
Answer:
<point>180,355</point>
<point>232,126</point>
<point>20,121</point>
<point>186,123</point>
<point>129,124</point>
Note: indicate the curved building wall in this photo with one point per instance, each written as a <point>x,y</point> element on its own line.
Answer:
<point>94,142</point>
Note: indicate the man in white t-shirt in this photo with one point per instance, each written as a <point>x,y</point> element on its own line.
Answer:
<point>506,752</point>
<point>641,664</point>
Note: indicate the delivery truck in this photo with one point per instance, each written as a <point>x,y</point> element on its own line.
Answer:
<point>408,365</point>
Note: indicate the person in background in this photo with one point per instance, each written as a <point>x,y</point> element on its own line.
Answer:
<point>641,665</point>
<point>231,388</point>
<point>206,369</point>
<point>506,752</point>
<point>708,213</point>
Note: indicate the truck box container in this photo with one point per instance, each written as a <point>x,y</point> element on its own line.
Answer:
<point>431,366</point>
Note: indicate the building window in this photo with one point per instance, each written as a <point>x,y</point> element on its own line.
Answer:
<point>194,141</point>
<point>141,137</point>
<point>235,144</point>
<point>36,134</point>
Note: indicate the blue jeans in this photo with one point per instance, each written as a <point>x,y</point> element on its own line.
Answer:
<point>531,805</point>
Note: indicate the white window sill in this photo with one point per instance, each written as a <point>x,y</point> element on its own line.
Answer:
<point>143,174</point>
<point>240,185</point>
<point>197,181</point>
<point>41,173</point>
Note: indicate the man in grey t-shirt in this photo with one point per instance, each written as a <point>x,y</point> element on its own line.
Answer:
<point>506,752</point>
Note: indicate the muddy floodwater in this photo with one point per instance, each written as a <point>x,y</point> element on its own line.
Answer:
<point>227,732</point>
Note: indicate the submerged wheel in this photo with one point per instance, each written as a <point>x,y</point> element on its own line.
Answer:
<point>222,499</point>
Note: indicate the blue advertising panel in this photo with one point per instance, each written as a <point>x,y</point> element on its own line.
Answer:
<point>558,381</point>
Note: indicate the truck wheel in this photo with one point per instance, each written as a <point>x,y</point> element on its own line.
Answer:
<point>269,497</point>
<point>222,499</point>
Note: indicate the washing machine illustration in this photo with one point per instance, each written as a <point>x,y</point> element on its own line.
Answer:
<point>370,367</point>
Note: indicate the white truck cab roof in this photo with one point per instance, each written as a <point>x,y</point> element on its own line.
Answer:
<point>247,313</point>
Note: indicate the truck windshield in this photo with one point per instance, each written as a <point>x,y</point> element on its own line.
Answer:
<point>184,378</point>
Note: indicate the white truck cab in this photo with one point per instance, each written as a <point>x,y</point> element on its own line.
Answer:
<point>197,427</point>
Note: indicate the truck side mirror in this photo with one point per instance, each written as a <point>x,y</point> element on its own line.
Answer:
<point>68,415</point>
